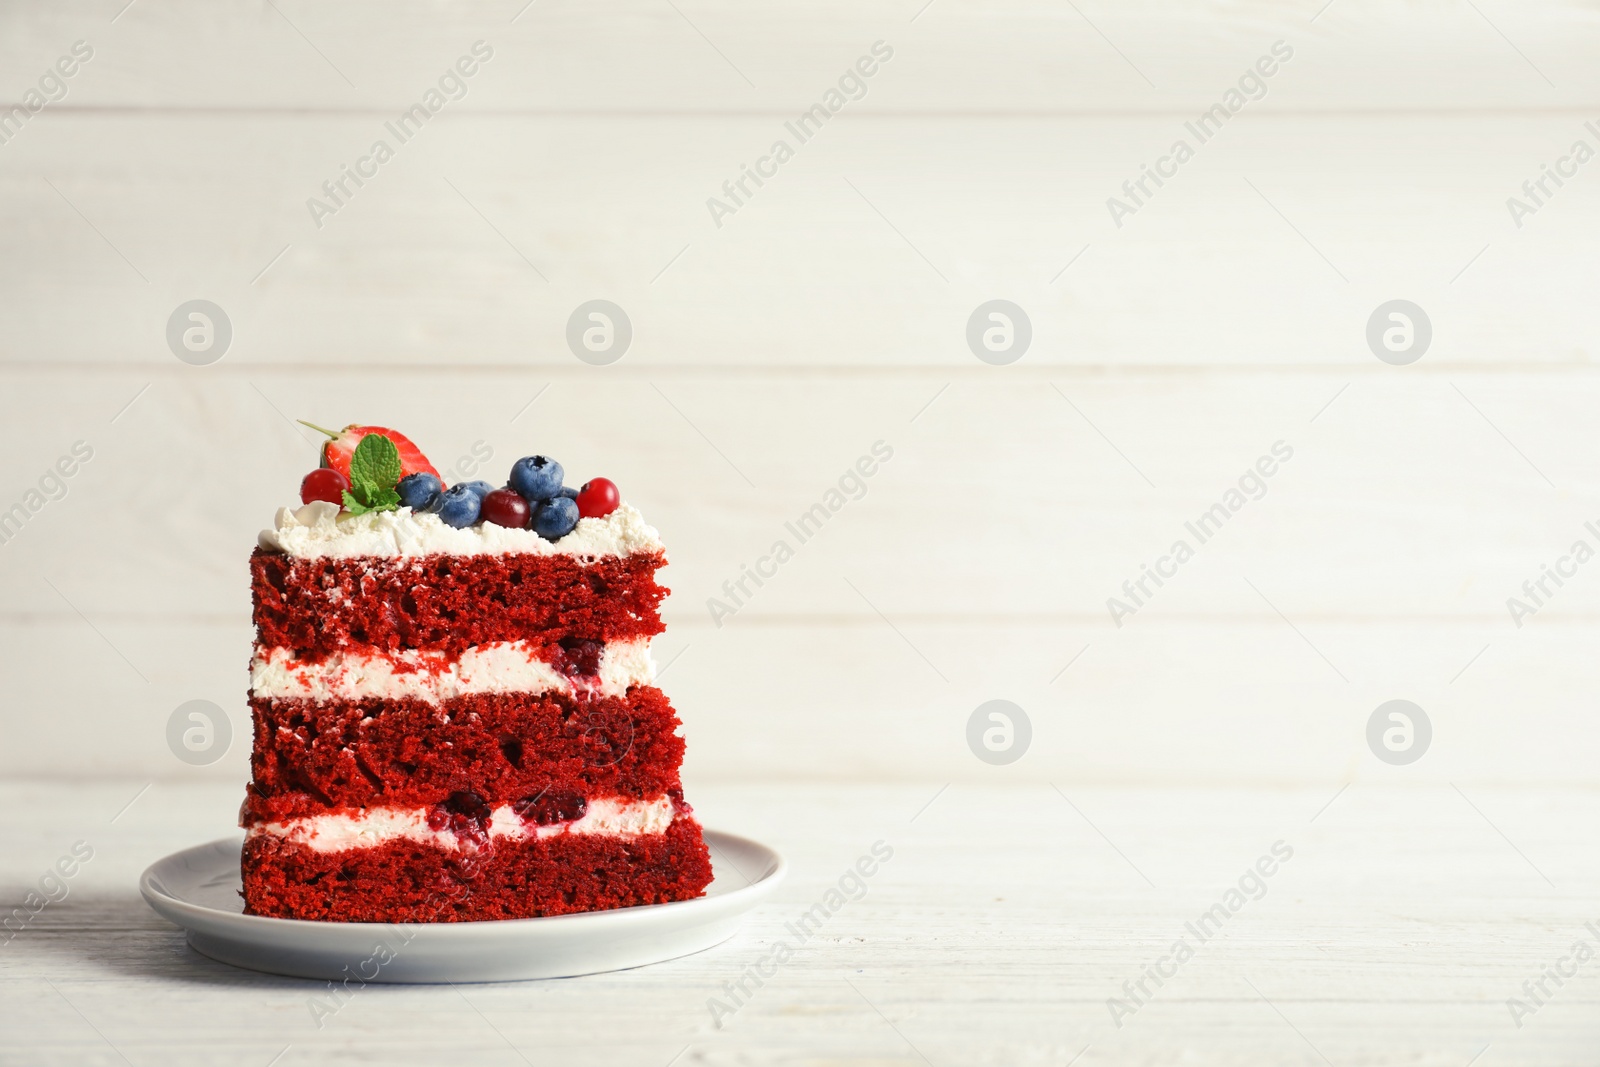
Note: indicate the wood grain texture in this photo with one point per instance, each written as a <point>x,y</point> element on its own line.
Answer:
<point>1330,594</point>
<point>1037,497</point>
<point>829,313</point>
<point>1006,919</point>
<point>957,55</point>
<point>770,352</point>
<point>870,248</point>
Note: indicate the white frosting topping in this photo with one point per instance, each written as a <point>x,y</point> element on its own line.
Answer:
<point>499,667</point>
<point>322,529</point>
<point>605,817</point>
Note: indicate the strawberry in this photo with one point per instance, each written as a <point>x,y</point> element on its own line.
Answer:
<point>336,452</point>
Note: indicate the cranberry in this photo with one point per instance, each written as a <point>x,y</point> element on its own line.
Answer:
<point>551,807</point>
<point>324,483</point>
<point>505,507</point>
<point>598,498</point>
<point>579,657</point>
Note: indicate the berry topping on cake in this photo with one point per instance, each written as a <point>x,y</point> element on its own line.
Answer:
<point>536,478</point>
<point>555,518</point>
<point>418,490</point>
<point>374,473</point>
<point>598,498</point>
<point>324,483</point>
<point>459,506</point>
<point>505,507</point>
<point>368,469</point>
<point>551,807</point>
<point>341,447</point>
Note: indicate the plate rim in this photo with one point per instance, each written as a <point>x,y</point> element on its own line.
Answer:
<point>161,901</point>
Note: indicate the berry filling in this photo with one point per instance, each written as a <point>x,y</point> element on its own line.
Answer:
<point>578,658</point>
<point>550,808</point>
<point>464,814</point>
<point>679,805</point>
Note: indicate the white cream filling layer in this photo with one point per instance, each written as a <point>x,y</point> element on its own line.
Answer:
<point>500,667</point>
<point>322,529</point>
<point>606,817</point>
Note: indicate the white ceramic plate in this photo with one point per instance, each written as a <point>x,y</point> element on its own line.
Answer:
<point>198,889</point>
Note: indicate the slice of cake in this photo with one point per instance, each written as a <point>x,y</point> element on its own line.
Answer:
<point>455,715</point>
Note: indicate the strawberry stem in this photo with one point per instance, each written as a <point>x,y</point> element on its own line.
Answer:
<point>319,429</point>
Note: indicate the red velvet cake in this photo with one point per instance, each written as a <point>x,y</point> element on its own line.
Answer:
<point>455,715</point>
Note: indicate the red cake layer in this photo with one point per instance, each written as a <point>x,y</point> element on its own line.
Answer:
<point>499,747</point>
<point>450,603</point>
<point>405,882</point>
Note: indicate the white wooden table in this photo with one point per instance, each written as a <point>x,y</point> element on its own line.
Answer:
<point>769,353</point>
<point>1007,917</point>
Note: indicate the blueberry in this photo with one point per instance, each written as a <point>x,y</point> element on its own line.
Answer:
<point>536,478</point>
<point>483,489</point>
<point>568,492</point>
<point>417,490</point>
<point>459,505</point>
<point>554,519</point>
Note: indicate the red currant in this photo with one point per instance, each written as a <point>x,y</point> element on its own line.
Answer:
<point>598,498</point>
<point>505,507</point>
<point>324,483</point>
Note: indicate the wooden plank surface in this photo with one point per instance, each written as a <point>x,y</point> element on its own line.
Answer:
<point>1009,915</point>
<point>1378,563</point>
<point>1038,497</point>
<point>952,55</point>
<point>870,248</point>
<point>828,313</point>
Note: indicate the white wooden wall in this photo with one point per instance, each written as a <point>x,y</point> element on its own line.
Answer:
<point>827,314</point>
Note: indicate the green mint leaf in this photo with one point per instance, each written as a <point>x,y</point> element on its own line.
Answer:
<point>367,498</point>
<point>374,470</point>
<point>362,488</point>
<point>375,465</point>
